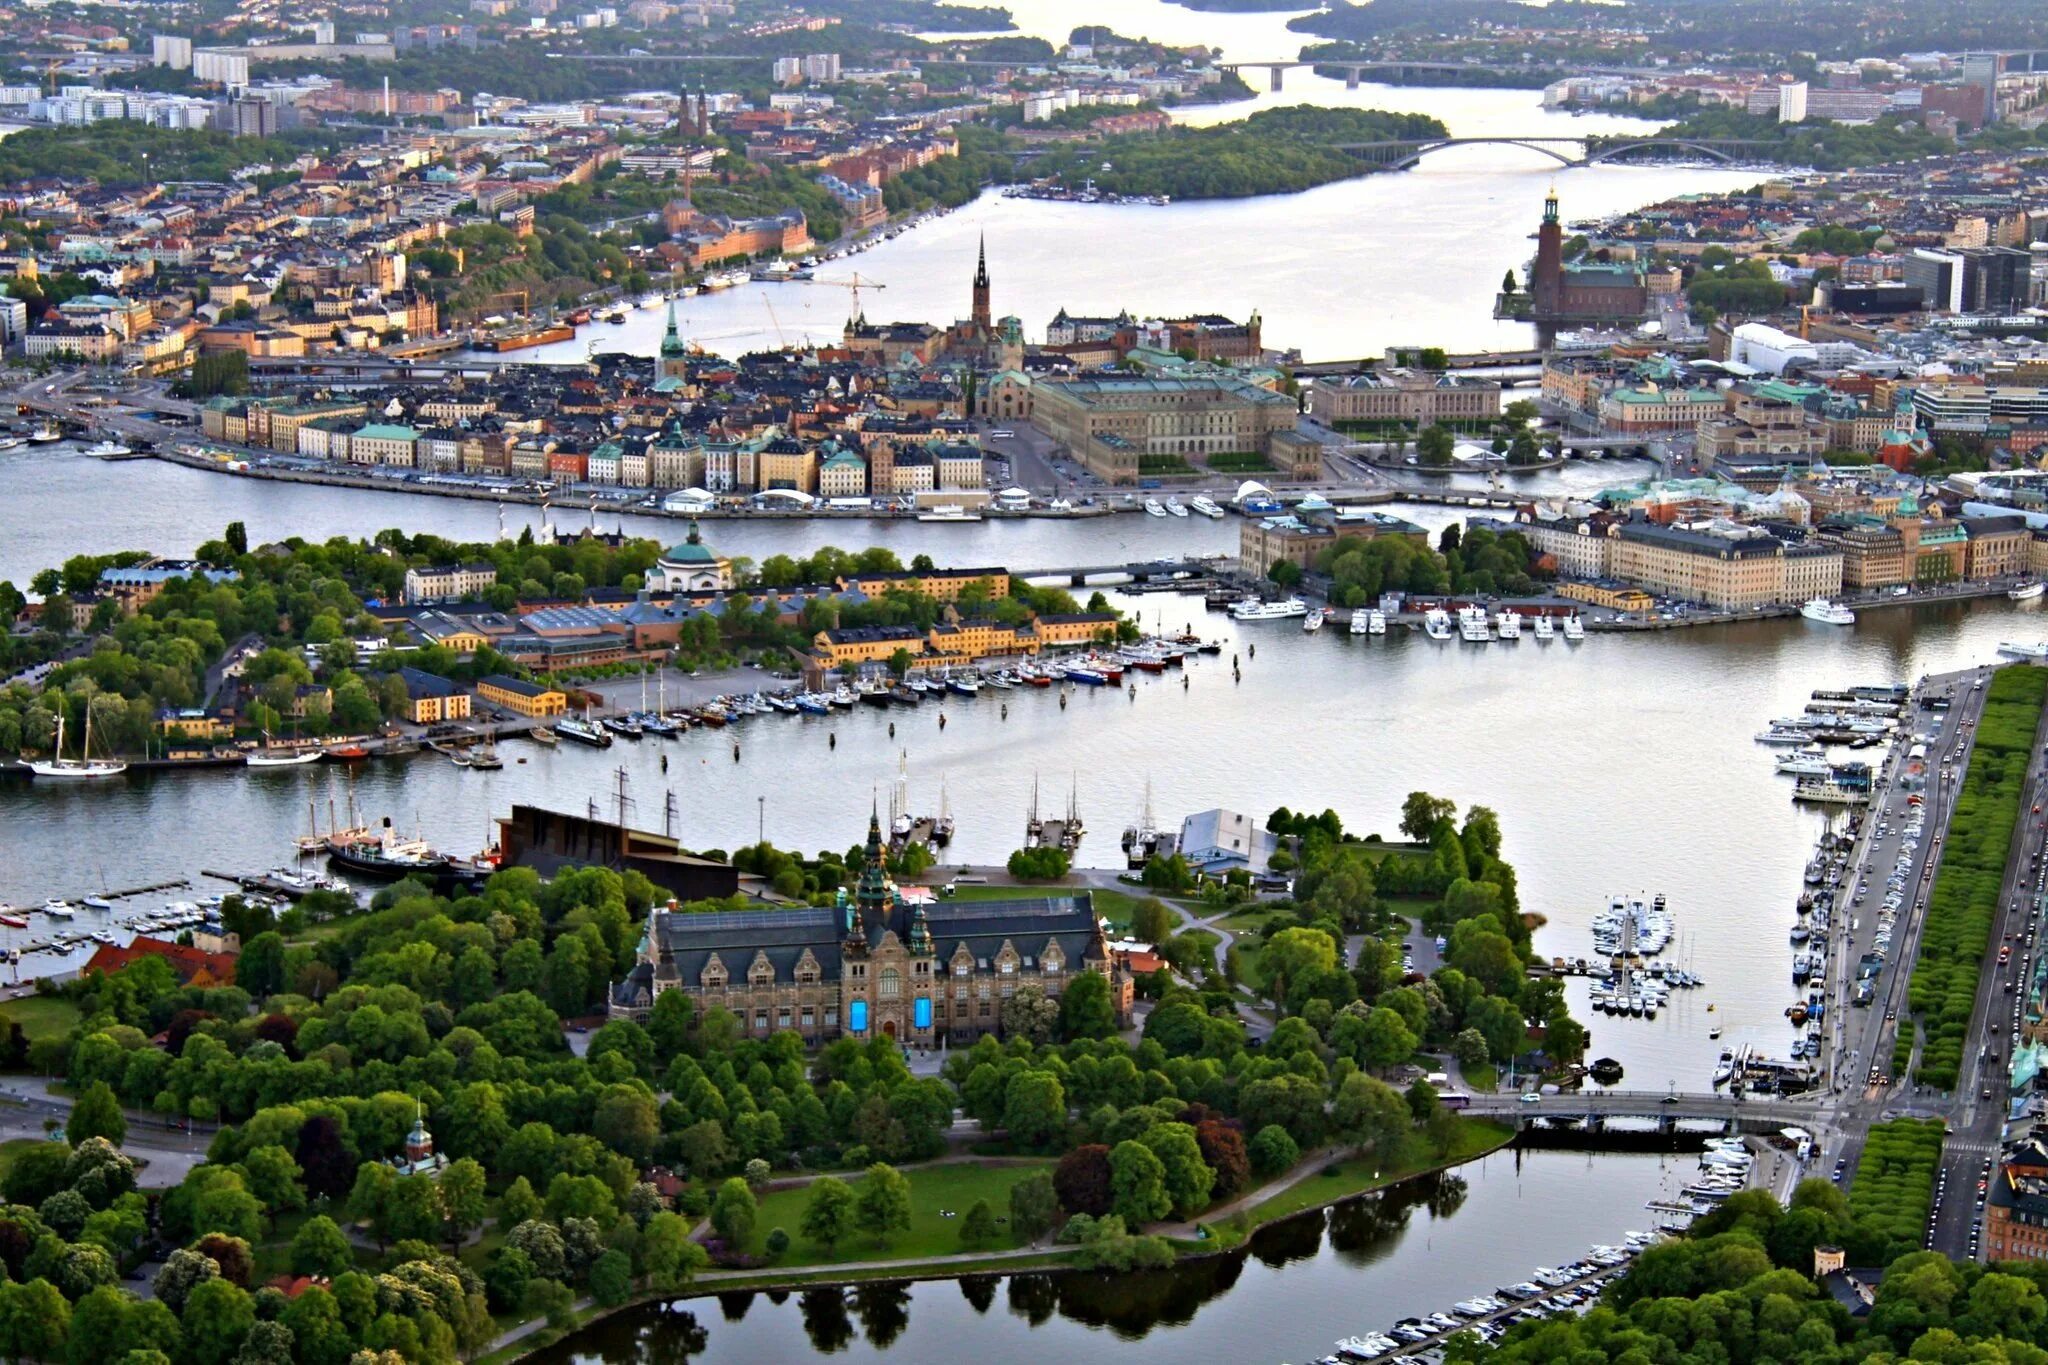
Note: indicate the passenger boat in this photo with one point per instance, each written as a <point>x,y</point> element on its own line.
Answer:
<point>108,449</point>
<point>1472,625</point>
<point>1175,508</point>
<point>1252,609</point>
<point>1154,508</point>
<point>1206,507</point>
<point>1436,624</point>
<point>2012,649</point>
<point>584,731</point>
<point>1544,629</point>
<point>1803,765</point>
<point>1360,623</point>
<point>385,855</point>
<point>1574,628</point>
<point>1509,624</point>
<point>1827,613</point>
<point>1087,677</point>
<point>45,434</point>
<point>1375,622</point>
<point>84,766</point>
<point>2027,592</point>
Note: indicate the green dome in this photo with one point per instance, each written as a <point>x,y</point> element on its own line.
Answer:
<point>692,550</point>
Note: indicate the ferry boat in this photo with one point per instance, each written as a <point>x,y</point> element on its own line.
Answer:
<point>1360,623</point>
<point>1251,609</point>
<point>1312,622</point>
<point>1510,624</point>
<point>1472,625</point>
<point>1803,765</point>
<point>1544,629</point>
<point>1375,622</point>
<point>108,449</point>
<point>45,434</point>
<point>385,855</point>
<point>1827,613</point>
<point>1574,629</point>
<point>2012,649</point>
<point>1175,508</point>
<point>1206,507</point>
<point>954,512</point>
<point>2027,592</point>
<point>1436,624</point>
<point>584,731</point>
<point>1154,508</point>
<point>84,766</point>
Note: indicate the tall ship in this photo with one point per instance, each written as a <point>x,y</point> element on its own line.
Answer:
<point>84,766</point>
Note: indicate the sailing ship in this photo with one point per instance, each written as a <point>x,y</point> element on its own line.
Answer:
<point>84,766</point>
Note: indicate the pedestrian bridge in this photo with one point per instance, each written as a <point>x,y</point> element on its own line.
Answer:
<point>1400,154</point>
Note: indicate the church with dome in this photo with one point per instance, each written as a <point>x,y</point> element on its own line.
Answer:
<point>690,566</point>
<point>883,961</point>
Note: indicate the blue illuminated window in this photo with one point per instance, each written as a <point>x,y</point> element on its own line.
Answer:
<point>857,1017</point>
<point>923,1012</point>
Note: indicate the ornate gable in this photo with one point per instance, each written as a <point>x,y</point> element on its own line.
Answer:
<point>760,972</point>
<point>714,974</point>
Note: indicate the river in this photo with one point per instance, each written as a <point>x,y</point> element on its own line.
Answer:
<point>1346,270</point>
<point>1301,1285</point>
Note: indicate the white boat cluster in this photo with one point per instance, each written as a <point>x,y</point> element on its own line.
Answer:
<point>1629,927</point>
<point>1547,1292</point>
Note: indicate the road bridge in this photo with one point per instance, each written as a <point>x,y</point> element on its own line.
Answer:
<point>379,367</point>
<point>1354,68</point>
<point>1137,573</point>
<point>1400,154</point>
<point>1594,1109</point>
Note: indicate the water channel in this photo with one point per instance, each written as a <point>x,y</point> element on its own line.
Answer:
<point>1300,1286</point>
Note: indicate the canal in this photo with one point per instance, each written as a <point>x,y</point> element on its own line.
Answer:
<point>1300,1286</point>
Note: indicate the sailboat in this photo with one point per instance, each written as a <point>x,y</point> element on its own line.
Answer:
<point>84,766</point>
<point>942,828</point>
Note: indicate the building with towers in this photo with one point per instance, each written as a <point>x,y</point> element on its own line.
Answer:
<point>980,341</point>
<point>882,961</point>
<point>675,352</point>
<point>1580,291</point>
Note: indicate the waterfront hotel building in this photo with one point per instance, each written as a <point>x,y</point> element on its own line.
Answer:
<point>877,964</point>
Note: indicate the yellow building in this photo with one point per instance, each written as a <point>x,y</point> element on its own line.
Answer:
<point>431,698</point>
<point>516,694</point>
<point>944,584</point>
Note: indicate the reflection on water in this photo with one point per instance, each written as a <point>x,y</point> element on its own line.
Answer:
<point>1295,1288</point>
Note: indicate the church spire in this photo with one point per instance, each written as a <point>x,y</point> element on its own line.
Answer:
<point>981,308</point>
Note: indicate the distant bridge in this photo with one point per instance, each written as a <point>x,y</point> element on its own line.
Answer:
<point>1354,68</point>
<point>1400,154</point>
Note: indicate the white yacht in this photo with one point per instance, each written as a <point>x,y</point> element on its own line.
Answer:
<point>1803,765</point>
<point>1828,613</point>
<point>1509,623</point>
<point>1253,610</point>
<point>1206,507</point>
<point>1312,622</point>
<point>1436,624</point>
<point>1574,628</point>
<point>1154,508</point>
<point>1359,622</point>
<point>2012,649</point>
<point>1472,625</point>
<point>2027,592</point>
<point>107,449</point>
<point>1375,622</point>
<point>1544,629</point>
<point>1176,508</point>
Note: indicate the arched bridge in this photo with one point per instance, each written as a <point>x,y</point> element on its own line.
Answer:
<point>1401,153</point>
<point>1662,1108</point>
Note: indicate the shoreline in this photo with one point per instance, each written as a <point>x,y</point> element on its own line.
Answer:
<point>520,1344</point>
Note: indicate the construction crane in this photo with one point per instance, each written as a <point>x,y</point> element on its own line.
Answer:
<point>856,284</point>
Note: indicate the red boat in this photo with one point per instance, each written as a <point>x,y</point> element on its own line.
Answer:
<point>1146,663</point>
<point>348,753</point>
<point>1114,672</point>
<point>13,921</point>
<point>1034,679</point>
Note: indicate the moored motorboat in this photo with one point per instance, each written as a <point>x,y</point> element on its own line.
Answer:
<point>2027,592</point>
<point>1827,613</point>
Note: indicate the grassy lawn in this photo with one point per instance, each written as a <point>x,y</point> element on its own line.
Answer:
<point>932,1189</point>
<point>1342,1179</point>
<point>1116,907</point>
<point>1252,921</point>
<point>41,1016</point>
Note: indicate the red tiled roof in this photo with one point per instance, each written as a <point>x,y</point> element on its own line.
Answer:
<point>189,963</point>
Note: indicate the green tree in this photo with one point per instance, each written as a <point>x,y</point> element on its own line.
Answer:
<point>1420,813</point>
<point>463,1199</point>
<point>1434,447</point>
<point>1273,1150</point>
<point>882,1203</point>
<point>1034,1207</point>
<point>978,1228</point>
<point>320,1248</point>
<point>828,1213</point>
<point>217,1318</point>
<point>668,1254</point>
<point>1187,1178</point>
<point>33,1320</point>
<point>1086,1010</point>
<point>1035,1108</point>
<point>1370,1114</point>
<point>97,1114</point>
<point>734,1212</point>
<point>1137,1181</point>
<point>611,1278</point>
